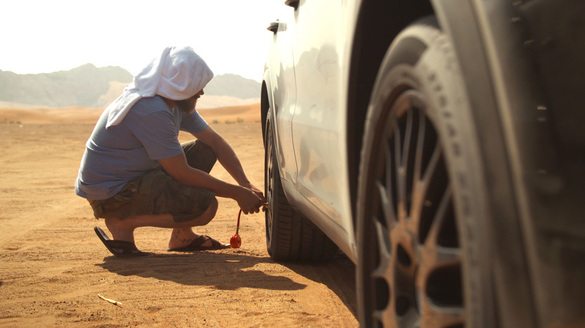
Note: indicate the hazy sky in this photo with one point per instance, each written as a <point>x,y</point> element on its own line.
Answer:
<point>42,36</point>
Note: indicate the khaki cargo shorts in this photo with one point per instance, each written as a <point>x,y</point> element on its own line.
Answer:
<point>157,193</point>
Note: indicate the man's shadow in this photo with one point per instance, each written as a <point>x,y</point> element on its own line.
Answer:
<point>226,271</point>
<point>231,271</point>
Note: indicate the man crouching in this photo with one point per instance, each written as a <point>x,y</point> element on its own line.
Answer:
<point>135,173</point>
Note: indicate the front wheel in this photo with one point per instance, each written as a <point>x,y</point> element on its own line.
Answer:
<point>290,236</point>
<point>421,199</point>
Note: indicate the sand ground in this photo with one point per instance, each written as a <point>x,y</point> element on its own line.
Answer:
<point>53,266</point>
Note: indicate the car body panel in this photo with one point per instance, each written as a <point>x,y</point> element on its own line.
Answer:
<point>284,94</point>
<point>316,115</point>
<point>321,59</point>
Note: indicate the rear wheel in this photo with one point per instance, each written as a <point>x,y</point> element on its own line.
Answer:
<point>289,235</point>
<point>421,205</point>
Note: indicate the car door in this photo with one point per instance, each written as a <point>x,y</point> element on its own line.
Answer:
<point>318,122</point>
<point>284,92</point>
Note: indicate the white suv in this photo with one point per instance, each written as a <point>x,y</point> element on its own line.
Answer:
<point>440,145</point>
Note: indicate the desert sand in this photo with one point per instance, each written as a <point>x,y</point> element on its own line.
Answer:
<point>53,266</point>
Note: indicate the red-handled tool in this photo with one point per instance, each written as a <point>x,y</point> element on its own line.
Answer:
<point>236,241</point>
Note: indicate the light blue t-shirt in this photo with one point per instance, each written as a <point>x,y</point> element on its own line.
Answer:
<point>126,151</point>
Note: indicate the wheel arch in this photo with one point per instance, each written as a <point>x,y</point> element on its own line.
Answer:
<point>264,107</point>
<point>375,30</point>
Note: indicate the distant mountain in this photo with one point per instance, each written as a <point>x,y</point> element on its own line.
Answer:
<point>89,86</point>
<point>234,86</point>
<point>81,86</point>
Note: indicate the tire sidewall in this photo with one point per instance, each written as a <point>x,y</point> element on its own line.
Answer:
<point>270,181</point>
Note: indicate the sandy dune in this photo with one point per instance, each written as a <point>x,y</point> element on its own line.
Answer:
<point>81,115</point>
<point>52,266</point>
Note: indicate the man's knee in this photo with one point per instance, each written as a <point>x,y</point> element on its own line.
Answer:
<point>202,219</point>
<point>199,155</point>
<point>209,214</point>
<point>204,150</point>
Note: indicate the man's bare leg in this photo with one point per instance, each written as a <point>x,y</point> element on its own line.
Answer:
<point>182,237</point>
<point>123,229</point>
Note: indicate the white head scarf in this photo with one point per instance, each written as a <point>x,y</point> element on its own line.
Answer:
<point>177,74</point>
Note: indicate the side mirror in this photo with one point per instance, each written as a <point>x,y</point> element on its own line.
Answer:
<point>273,27</point>
<point>292,3</point>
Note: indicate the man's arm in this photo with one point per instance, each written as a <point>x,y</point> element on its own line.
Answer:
<point>227,157</point>
<point>179,170</point>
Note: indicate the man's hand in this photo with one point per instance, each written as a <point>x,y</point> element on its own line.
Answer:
<point>255,190</point>
<point>252,199</point>
<point>249,201</point>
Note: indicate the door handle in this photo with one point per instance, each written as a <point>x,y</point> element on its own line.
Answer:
<point>292,3</point>
<point>273,27</point>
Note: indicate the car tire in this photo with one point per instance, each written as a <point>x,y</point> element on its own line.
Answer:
<point>421,221</point>
<point>290,236</point>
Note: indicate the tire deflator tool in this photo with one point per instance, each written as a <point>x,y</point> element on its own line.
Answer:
<point>236,240</point>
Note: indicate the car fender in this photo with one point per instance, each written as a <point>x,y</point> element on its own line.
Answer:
<point>522,59</point>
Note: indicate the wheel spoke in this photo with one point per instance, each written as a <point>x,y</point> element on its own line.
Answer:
<point>407,139</point>
<point>419,147</point>
<point>400,174</point>
<point>443,215</point>
<point>383,247</point>
<point>404,170</point>
<point>391,179</point>
<point>433,164</point>
<point>419,187</point>
<point>439,282</point>
<point>386,205</point>
<point>451,317</point>
<point>430,191</point>
<point>441,295</point>
<point>383,275</point>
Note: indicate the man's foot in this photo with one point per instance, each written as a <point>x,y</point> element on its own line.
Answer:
<point>185,238</point>
<point>118,247</point>
<point>200,243</point>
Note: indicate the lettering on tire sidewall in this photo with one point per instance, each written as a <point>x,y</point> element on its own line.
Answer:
<point>451,117</point>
